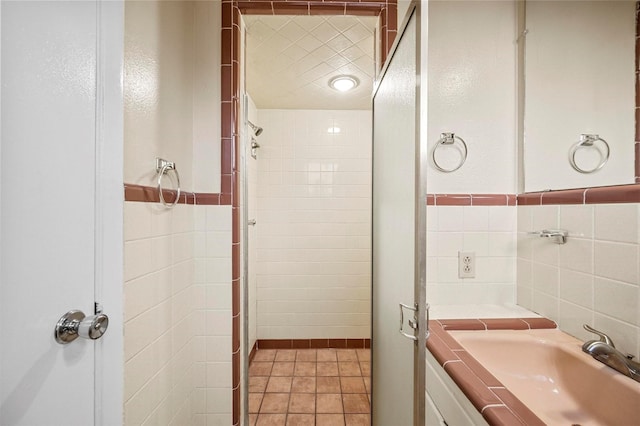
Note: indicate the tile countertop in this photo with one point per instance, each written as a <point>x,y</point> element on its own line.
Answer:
<point>497,405</point>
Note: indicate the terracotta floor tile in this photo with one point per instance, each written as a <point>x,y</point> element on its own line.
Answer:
<point>254,402</point>
<point>352,385</point>
<point>326,355</point>
<point>282,369</point>
<point>328,403</point>
<point>347,355</point>
<point>265,355</point>
<point>364,354</point>
<point>286,355</point>
<point>271,420</point>
<point>354,403</point>
<point>357,419</point>
<point>329,420</point>
<point>327,369</point>
<point>301,420</point>
<point>306,355</point>
<point>303,385</point>
<point>349,368</point>
<point>274,403</point>
<point>260,368</point>
<point>302,403</point>
<point>328,384</point>
<point>258,383</point>
<point>310,387</point>
<point>279,384</point>
<point>252,419</point>
<point>305,369</point>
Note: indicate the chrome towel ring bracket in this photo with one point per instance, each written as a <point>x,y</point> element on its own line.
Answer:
<point>449,139</point>
<point>587,140</point>
<point>162,168</point>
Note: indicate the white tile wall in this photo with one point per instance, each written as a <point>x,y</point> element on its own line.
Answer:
<point>173,285</point>
<point>593,278</point>
<point>489,231</point>
<point>213,368</point>
<point>313,231</point>
<point>252,213</point>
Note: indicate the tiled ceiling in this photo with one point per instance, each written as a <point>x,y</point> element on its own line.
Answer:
<point>290,60</point>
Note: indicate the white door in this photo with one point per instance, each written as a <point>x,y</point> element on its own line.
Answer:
<point>61,210</point>
<point>399,208</point>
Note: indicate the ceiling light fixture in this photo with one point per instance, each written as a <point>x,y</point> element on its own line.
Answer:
<point>344,83</point>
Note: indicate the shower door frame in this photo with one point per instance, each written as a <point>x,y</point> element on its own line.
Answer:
<point>233,118</point>
<point>417,11</point>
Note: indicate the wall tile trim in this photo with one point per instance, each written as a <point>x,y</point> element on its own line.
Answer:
<point>496,404</point>
<point>149,194</point>
<point>313,343</point>
<point>471,199</point>
<point>596,195</point>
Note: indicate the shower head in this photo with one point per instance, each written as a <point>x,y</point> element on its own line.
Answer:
<point>256,129</point>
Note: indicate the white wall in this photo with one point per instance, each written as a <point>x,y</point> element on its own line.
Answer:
<point>314,200</point>
<point>206,96</point>
<point>593,278</point>
<point>158,77</point>
<point>172,91</point>
<point>472,92</point>
<point>578,82</point>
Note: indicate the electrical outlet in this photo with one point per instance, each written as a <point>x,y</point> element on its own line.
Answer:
<point>466,264</point>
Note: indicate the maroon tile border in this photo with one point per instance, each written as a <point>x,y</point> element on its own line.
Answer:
<point>230,127</point>
<point>471,199</point>
<point>313,344</point>
<point>595,195</point>
<point>488,395</point>
<point>252,353</point>
<point>149,194</point>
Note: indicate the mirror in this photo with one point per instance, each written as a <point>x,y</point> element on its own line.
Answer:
<point>579,76</point>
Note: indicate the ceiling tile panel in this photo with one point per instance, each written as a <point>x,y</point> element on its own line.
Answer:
<point>290,60</point>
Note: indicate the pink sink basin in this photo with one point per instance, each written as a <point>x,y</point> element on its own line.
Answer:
<point>548,372</point>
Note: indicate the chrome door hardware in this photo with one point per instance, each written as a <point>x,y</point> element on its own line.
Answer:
<point>75,324</point>
<point>413,323</point>
<point>252,222</point>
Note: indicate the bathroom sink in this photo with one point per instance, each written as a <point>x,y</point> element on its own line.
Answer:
<point>548,372</point>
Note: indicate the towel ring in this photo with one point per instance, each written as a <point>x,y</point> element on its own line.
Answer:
<point>162,168</point>
<point>587,140</point>
<point>448,139</point>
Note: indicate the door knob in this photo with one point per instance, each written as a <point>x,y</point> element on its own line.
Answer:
<point>75,324</point>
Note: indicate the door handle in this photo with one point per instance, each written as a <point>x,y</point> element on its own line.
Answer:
<point>413,323</point>
<point>251,222</point>
<point>75,324</point>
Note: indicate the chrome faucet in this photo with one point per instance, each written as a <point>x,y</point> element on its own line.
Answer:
<point>605,351</point>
